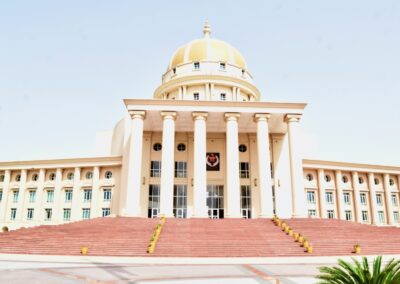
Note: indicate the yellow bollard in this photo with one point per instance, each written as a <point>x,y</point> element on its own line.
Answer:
<point>84,250</point>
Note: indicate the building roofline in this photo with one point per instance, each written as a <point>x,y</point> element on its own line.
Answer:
<point>308,163</point>
<point>89,161</point>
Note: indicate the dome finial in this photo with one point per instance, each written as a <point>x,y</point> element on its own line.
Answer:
<point>207,30</point>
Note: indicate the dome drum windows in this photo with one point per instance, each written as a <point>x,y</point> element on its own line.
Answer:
<point>196,65</point>
<point>222,65</point>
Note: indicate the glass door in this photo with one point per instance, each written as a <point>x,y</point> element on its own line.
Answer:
<point>180,201</point>
<point>245,201</point>
<point>154,200</point>
<point>215,201</point>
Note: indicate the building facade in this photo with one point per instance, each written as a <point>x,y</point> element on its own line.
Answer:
<point>204,147</point>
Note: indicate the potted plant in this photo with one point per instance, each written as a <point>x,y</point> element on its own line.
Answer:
<point>305,242</point>
<point>84,250</point>
<point>296,236</point>
<point>357,248</point>
<point>290,233</point>
<point>301,239</point>
<point>4,229</point>
<point>309,249</point>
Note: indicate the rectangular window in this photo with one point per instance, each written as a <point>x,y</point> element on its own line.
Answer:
<point>223,97</point>
<point>244,170</point>
<point>87,195</point>
<point>394,200</point>
<point>32,196</point>
<point>348,215</point>
<point>180,169</point>
<point>68,195</point>
<point>379,199</point>
<point>13,213</point>
<point>381,217</point>
<point>48,213</point>
<point>155,169</point>
<point>106,212</point>
<point>107,194</point>
<point>346,198</point>
<point>363,199</point>
<point>312,212</point>
<point>329,197</point>
<point>311,197</point>
<point>396,216</point>
<point>30,214</point>
<point>1,195</point>
<point>196,96</point>
<point>67,214</point>
<point>86,213</point>
<point>330,214</point>
<point>15,196</point>
<point>50,196</point>
<point>222,66</point>
<point>196,65</point>
<point>364,216</point>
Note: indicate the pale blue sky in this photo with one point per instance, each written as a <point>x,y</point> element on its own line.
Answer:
<point>65,67</point>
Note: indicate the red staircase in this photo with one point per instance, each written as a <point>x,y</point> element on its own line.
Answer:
<point>225,238</point>
<point>201,238</point>
<point>338,237</point>
<point>103,236</point>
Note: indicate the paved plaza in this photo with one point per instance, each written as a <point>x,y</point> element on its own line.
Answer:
<point>110,270</point>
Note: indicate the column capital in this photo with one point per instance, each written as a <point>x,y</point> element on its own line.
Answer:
<point>137,114</point>
<point>231,116</point>
<point>200,115</point>
<point>261,116</point>
<point>292,117</point>
<point>168,115</point>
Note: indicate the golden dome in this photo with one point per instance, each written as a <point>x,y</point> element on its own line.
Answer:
<point>207,49</point>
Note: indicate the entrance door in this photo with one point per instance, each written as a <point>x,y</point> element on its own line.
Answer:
<point>154,201</point>
<point>180,201</point>
<point>215,201</point>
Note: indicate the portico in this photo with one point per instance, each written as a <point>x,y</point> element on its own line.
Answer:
<point>238,135</point>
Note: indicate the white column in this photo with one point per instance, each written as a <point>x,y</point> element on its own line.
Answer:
<point>372,194</point>
<point>167,164</point>
<point>207,91</point>
<point>180,93</point>
<point>134,167</point>
<point>21,197</point>
<point>237,94</point>
<point>232,166</point>
<point>296,166</point>
<point>58,198</point>
<point>234,93</point>
<point>321,190</point>
<point>200,173</point>
<point>339,197</point>
<point>95,208</point>
<point>356,198</point>
<point>76,196</point>
<point>211,91</point>
<point>39,196</point>
<point>388,195</point>
<point>6,190</point>
<point>184,89</point>
<point>264,165</point>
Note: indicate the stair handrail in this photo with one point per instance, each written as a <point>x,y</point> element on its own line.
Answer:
<point>156,235</point>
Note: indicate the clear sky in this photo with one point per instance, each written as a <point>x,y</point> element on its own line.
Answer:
<point>65,67</point>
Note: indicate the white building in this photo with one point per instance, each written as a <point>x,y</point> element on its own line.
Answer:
<point>205,146</point>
